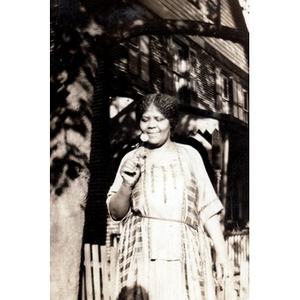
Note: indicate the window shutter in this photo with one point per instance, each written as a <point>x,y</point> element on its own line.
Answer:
<point>168,84</point>
<point>218,88</point>
<point>144,44</point>
<point>144,57</point>
<point>193,63</point>
<point>234,96</point>
<point>176,58</point>
<point>144,68</point>
<point>234,91</point>
<point>168,80</point>
<point>218,81</point>
<point>133,62</point>
<point>240,101</point>
<point>193,88</point>
<point>133,59</point>
<point>240,95</point>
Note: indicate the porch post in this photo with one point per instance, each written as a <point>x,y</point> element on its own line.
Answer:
<point>218,176</point>
<point>225,176</point>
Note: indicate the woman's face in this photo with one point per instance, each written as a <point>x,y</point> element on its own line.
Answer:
<point>156,125</point>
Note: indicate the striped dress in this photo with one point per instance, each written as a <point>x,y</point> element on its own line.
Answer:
<point>164,252</point>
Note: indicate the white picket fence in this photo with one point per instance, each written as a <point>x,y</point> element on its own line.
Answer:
<point>238,248</point>
<point>238,251</point>
<point>100,262</point>
<point>98,279</point>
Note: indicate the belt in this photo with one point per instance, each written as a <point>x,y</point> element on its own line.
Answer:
<point>165,219</point>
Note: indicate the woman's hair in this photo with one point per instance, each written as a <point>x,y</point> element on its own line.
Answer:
<point>167,106</point>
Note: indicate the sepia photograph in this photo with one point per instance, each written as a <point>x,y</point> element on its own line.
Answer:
<point>173,127</point>
<point>149,165</point>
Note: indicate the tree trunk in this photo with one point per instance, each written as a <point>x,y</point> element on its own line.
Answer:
<point>73,68</point>
<point>67,221</point>
<point>70,152</point>
<point>96,213</point>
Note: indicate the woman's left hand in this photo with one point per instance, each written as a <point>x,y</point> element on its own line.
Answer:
<point>224,268</point>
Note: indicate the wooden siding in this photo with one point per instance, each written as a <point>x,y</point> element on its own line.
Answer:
<point>156,64</point>
<point>174,9</point>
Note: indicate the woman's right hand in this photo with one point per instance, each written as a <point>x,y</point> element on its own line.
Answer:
<point>132,168</point>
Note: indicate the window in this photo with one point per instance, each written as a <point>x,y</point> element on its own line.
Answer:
<point>240,102</point>
<point>246,106</point>
<point>193,75</point>
<point>196,3</point>
<point>180,65</point>
<point>246,101</point>
<point>209,9</point>
<point>182,72</point>
<point>138,59</point>
<point>213,10</point>
<point>193,63</point>
<point>231,96</point>
<point>225,87</point>
<point>225,93</point>
<point>179,59</point>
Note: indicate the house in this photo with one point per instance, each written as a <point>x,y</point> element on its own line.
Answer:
<point>209,76</point>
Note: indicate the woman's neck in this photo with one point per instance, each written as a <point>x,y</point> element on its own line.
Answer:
<point>167,146</point>
<point>166,152</point>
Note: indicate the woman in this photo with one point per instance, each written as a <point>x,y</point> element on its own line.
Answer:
<point>167,204</point>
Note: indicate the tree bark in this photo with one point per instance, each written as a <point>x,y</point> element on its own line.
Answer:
<point>70,151</point>
<point>67,222</point>
<point>73,66</point>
